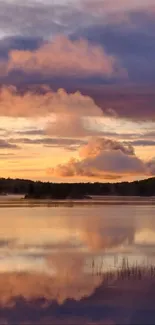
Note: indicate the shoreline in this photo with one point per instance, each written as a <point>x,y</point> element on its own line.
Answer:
<point>71,203</point>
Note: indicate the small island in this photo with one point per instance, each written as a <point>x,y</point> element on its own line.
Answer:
<point>58,197</point>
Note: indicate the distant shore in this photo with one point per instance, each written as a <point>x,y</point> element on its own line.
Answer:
<point>19,201</point>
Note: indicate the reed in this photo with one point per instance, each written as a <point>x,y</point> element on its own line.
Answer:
<point>125,271</point>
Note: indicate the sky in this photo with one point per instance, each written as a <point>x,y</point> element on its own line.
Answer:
<point>77,99</point>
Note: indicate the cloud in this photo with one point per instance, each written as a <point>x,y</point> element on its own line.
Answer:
<point>80,113</point>
<point>143,143</point>
<point>30,104</point>
<point>66,58</point>
<point>133,102</point>
<point>71,125</point>
<point>120,30</point>
<point>32,132</point>
<point>68,144</point>
<point>35,18</point>
<point>126,30</point>
<point>100,157</point>
<point>97,145</point>
<point>110,6</point>
<point>139,138</point>
<point>4,144</point>
<point>119,13</point>
<point>67,112</point>
<point>8,44</point>
<point>151,166</point>
<point>129,102</point>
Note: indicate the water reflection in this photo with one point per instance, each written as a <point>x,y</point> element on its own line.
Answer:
<point>57,253</point>
<point>110,231</point>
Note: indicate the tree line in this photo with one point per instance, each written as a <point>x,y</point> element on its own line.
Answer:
<point>39,189</point>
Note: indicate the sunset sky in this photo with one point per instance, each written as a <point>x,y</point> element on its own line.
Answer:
<point>77,89</point>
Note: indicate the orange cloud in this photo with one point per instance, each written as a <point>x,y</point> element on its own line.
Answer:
<point>101,157</point>
<point>65,57</point>
<point>97,145</point>
<point>66,112</point>
<point>30,104</point>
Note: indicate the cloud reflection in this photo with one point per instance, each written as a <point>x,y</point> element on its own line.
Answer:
<point>82,229</point>
<point>47,262</point>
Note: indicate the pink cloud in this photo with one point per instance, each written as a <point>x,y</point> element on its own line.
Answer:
<point>29,104</point>
<point>102,157</point>
<point>63,57</point>
<point>66,112</point>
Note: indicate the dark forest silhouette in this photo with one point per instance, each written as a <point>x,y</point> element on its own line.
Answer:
<point>41,190</point>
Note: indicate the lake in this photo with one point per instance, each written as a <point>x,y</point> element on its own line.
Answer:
<point>63,252</point>
<point>29,235</point>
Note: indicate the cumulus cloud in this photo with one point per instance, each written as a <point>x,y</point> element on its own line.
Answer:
<point>100,157</point>
<point>119,27</point>
<point>29,104</point>
<point>97,145</point>
<point>66,111</point>
<point>64,57</point>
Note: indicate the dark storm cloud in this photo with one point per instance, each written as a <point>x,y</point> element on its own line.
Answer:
<point>128,101</point>
<point>133,42</point>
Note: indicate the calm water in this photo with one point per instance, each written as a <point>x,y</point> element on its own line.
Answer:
<point>64,252</point>
<point>46,238</point>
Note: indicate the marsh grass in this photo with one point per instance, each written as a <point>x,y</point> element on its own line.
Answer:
<point>123,272</point>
